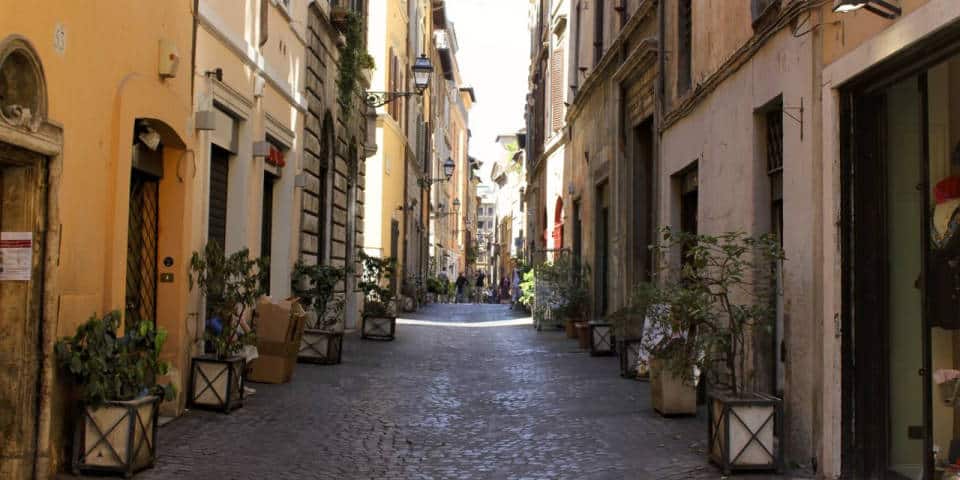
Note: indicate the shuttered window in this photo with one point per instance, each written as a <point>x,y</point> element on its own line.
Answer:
<point>217,217</point>
<point>684,41</point>
<point>556,90</point>
<point>598,31</point>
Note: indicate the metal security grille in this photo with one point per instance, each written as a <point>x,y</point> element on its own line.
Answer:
<point>775,167</point>
<point>141,296</point>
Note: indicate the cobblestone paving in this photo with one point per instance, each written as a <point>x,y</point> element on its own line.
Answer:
<point>459,401</point>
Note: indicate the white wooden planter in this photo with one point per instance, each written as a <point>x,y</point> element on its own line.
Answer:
<point>742,432</point>
<point>217,384</point>
<point>320,346</point>
<point>378,328</point>
<point>117,437</point>
<point>670,394</point>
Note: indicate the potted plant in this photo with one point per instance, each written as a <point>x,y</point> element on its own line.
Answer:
<point>628,323</point>
<point>379,310</point>
<point>230,285</point>
<point>316,285</point>
<point>723,293</point>
<point>120,398</point>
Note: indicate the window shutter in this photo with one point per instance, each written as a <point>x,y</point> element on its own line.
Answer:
<point>264,10</point>
<point>556,90</point>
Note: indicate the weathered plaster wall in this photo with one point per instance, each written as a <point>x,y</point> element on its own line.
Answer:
<point>723,136</point>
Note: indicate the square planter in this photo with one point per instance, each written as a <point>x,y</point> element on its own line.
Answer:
<point>217,384</point>
<point>378,328</point>
<point>320,346</point>
<point>742,432</point>
<point>630,351</point>
<point>602,341</point>
<point>583,334</point>
<point>117,437</point>
<point>570,328</point>
<point>669,394</point>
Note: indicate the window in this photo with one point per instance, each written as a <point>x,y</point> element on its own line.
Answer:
<point>575,67</point>
<point>217,216</point>
<point>684,45</point>
<point>598,31</point>
<point>556,90</point>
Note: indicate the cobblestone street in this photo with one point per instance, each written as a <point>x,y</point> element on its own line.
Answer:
<point>471,399</point>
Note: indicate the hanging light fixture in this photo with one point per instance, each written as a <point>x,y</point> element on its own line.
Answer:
<point>448,167</point>
<point>882,8</point>
<point>421,73</point>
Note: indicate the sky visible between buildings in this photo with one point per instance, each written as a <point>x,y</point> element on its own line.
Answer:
<point>494,58</point>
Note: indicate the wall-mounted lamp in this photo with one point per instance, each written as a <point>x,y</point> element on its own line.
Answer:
<point>422,68</point>
<point>879,7</point>
<point>215,73</point>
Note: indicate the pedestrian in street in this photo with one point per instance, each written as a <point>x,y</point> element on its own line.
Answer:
<point>479,291</point>
<point>461,287</point>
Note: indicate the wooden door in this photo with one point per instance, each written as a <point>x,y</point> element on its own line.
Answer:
<point>22,220</point>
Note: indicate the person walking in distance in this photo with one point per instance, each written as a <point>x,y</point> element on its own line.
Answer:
<point>461,287</point>
<point>479,291</point>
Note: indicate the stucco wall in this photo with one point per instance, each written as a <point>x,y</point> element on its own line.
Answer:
<point>723,136</point>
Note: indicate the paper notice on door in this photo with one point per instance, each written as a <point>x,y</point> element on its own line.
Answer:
<point>16,256</point>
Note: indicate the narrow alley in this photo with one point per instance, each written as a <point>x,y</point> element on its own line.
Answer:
<point>454,398</point>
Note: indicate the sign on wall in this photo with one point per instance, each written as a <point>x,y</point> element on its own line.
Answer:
<point>16,256</point>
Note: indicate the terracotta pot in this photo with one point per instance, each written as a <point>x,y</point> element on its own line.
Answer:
<point>583,334</point>
<point>569,326</point>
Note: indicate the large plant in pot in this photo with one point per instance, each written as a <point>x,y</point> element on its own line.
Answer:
<point>628,329</point>
<point>230,285</point>
<point>120,397</point>
<point>316,286</point>
<point>721,297</point>
<point>379,309</point>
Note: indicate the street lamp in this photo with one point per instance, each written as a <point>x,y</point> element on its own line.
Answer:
<point>421,80</point>
<point>880,7</point>
<point>448,167</point>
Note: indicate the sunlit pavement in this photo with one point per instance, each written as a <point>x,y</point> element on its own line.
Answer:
<point>464,392</point>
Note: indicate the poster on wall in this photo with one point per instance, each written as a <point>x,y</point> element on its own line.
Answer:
<point>16,256</point>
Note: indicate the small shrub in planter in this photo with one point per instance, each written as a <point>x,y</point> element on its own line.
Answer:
<point>723,293</point>
<point>628,331</point>
<point>231,285</point>
<point>316,285</point>
<point>120,399</point>
<point>379,310</point>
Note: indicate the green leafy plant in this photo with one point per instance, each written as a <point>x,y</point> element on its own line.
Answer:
<point>377,299</point>
<point>353,59</point>
<point>231,285</point>
<point>111,367</point>
<point>528,284</point>
<point>316,286</point>
<point>703,312</point>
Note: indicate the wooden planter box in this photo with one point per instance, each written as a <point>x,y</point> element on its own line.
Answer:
<point>217,384</point>
<point>117,437</point>
<point>570,327</point>
<point>630,351</point>
<point>583,334</point>
<point>320,346</point>
<point>669,394</point>
<point>602,341</point>
<point>742,432</point>
<point>378,328</point>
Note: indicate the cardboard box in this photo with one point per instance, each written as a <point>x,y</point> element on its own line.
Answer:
<point>279,330</point>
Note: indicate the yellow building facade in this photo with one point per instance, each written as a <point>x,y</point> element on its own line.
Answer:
<point>96,111</point>
<point>384,235</point>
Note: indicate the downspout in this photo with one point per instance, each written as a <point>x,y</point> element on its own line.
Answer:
<point>660,107</point>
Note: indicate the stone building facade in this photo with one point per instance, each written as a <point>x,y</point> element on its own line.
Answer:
<point>332,202</point>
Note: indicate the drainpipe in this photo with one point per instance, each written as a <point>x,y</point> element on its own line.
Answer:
<point>660,107</point>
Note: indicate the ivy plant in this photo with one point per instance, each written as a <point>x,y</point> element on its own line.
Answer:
<point>316,285</point>
<point>231,285</point>
<point>377,299</point>
<point>108,366</point>
<point>353,60</point>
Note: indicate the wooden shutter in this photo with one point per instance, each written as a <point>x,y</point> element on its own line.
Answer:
<point>685,40</point>
<point>217,217</point>
<point>556,90</point>
<point>264,12</point>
